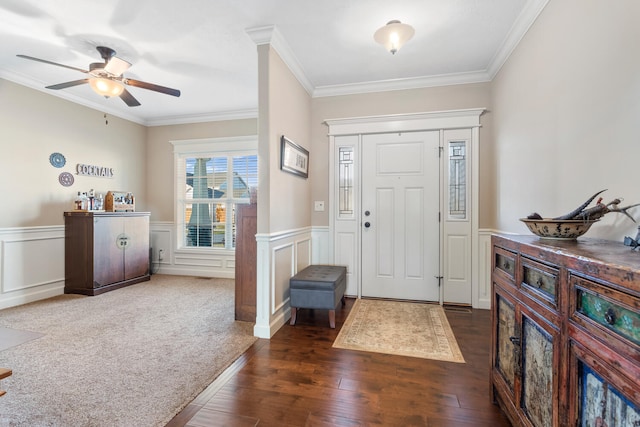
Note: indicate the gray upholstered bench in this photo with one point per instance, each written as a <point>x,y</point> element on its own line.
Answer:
<point>318,287</point>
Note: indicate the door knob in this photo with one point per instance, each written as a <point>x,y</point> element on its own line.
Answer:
<point>367,224</point>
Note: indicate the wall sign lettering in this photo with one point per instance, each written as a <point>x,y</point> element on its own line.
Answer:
<point>91,170</point>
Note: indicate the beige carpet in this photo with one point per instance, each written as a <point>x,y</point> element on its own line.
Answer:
<point>131,357</point>
<point>400,328</point>
<point>12,337</point>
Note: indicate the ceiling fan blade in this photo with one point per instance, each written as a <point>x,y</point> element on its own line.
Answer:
<point>129,99</point>
<point>117,66</point>
<point>67,84</point>
<point>52,63</point>
<point>151,86</point>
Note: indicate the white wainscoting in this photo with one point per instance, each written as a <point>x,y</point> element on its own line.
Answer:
<point>280,256</point>
<point>482,292</point>
<point>31,264</point>
<point>186,262</point>
<point>320,245</point>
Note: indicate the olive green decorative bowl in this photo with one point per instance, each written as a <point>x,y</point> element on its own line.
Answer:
<point>568,229</point>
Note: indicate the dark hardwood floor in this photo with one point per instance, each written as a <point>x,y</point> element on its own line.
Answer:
<point>298,379</point>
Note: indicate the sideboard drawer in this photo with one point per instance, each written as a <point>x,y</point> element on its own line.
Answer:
<point>505,263</point>
<point>606,311</point>
<point>540,281</point>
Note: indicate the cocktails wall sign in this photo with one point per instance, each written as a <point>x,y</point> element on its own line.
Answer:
<point>92,170</point>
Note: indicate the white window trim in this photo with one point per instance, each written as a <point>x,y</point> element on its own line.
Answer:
<point>228,146</point>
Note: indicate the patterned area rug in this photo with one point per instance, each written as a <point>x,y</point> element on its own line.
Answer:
<point>399,328</point>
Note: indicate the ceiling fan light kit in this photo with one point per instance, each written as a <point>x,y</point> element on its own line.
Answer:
<point>106,78</point>
<point>106,87</point>
<point>394,35</point>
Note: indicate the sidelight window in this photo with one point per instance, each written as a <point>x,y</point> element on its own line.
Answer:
<point>457,180</point>
<point>345,184</point>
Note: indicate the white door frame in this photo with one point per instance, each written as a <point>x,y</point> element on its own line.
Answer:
<point>351,130</point>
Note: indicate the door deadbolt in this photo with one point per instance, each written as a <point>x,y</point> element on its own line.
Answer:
<point>367,213</point>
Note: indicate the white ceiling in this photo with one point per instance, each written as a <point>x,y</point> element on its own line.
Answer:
<point>207,48</point>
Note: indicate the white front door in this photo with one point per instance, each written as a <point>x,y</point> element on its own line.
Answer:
<point>400,216</point>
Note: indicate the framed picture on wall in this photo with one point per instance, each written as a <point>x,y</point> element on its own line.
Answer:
<point>293,158</point>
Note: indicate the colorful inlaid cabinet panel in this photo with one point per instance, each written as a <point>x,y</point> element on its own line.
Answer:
<point>566,332</point>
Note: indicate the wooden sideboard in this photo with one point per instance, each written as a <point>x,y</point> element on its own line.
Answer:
<point>566,331</point>
<point>246,267</point>
<point>105,251</point>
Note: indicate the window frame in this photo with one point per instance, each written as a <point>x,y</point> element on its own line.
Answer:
<point>199,148</point>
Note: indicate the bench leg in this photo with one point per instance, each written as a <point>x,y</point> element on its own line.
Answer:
<point>293,315</point>
<point>343,301</point>
<point>332,319</point>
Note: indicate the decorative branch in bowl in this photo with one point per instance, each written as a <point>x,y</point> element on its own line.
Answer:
<point>577,222</point>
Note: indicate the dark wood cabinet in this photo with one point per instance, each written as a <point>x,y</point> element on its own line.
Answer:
<point>105,251</point>
<point>566,331</point>
<point>246,267</point>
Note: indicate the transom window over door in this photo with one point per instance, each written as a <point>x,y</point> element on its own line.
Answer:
<point>210,181</point>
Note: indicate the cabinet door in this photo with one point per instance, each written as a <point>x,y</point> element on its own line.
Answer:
<point>526,362</point>
<point>136,251</point>
<point>539,392</point>
<point>506,350</point>
<point>108,262</point>
<point>603,396</point>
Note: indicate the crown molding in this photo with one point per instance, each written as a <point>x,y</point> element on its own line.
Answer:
<point>402,84</point>
<point>520,27</point>
<point>270,35</point>
<point>205,117</point>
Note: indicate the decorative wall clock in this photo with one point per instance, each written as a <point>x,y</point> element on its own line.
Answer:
<point>57,160</point>
<point>66,179</point>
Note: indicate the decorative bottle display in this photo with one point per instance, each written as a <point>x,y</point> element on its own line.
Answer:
<point>113,201</point>
<point>88,201</point>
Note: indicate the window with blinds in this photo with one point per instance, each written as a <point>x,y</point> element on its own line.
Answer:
<point>213,184</point>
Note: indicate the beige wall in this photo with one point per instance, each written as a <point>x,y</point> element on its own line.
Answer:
<point>398,102</point>
<point>567,115</point>
<point>160,159</point>
<point>285,110</point>
<point>33,125</point>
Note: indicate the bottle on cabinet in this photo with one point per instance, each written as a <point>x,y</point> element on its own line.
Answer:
<point>99,203</point>
<point>77,204</point>
<point>88,201</point>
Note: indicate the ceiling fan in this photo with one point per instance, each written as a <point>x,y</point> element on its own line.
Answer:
<point>106,78</point>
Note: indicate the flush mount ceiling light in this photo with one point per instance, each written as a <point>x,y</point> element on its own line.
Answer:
<point>106,87</point>
<point>393,35</point>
